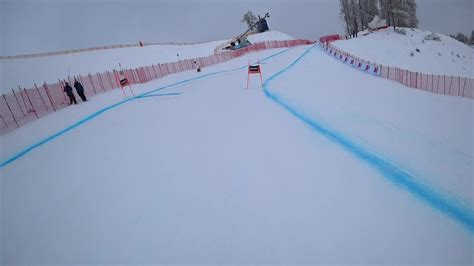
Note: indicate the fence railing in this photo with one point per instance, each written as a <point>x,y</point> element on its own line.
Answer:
<point>23,105</point>
<point>440,84</point>
<point>99,48</point>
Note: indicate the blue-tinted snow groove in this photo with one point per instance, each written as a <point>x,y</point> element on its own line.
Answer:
<point>160,95</point>
<point>452,207</point>
<point>90,117</point>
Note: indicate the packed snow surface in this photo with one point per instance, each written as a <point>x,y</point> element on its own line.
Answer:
<point>221,174</point>
<point>444,56</point>
<point>269,35</point>
<point>26,72</point>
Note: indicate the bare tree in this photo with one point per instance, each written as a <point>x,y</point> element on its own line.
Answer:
<point>346,15</point>
<point>399,13</point>
<point>362,14</point>
<point>385,11</point>
<point>250,19</point>
<point>353,11</point>
<point>371,9</point>
<point>461,37</point>
<point>357,14</point>
<point>404,13</point>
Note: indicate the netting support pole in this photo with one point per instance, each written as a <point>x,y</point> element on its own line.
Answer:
<point>16,122</point>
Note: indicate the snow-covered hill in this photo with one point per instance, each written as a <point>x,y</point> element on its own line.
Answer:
<point>269,35</point>
<point>26,72</point>
<point>415,51</point>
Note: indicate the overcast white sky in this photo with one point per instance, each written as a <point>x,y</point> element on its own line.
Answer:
<point>29,26</point>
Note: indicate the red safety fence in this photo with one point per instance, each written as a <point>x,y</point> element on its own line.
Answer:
<point>351,60</point>
<point>24,105</point>
<point>330,38</point>
<point>439,84</point>
<point>82,50</point>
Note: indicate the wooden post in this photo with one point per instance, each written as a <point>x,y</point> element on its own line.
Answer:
<point>437,85</point>
<point>464,87</point>
<point>153,67</point>
<point>62,90</point>
<point>111,80</point>
<point>34,109</point>
<point>416,80</point>
<point>444,84</point>
<point>44,103</point>
<point>100,81</point>
<point>459,86</point>
<point>18,102</point>
<point>92,82</point>
<point>49,96</point>
<point>4,122</point>
<point>432,82</point>
<point>450,84</point>
<point>16,122</point>
<point>421,81</point>
<point>23,98</point>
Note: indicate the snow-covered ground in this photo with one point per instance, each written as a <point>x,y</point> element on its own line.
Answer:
<point>26,72</point>
<point>269,35</point>
<point>221,174</point>
<point>444,57</point>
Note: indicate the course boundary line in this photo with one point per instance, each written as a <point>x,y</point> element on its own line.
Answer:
<point>90,117</point>
<point>451,207</point>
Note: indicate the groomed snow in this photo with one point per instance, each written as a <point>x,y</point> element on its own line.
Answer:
<point>220,174</point>
<point>270,36</point>
<point>444,57</point>
<point>26,72</point>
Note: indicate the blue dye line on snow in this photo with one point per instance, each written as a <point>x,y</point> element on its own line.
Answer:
<point>110,107</point>
<point>160,95</point>
<point>452,207</point>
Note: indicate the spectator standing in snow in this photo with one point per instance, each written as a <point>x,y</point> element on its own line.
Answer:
<point>80,90</point>
<point>196,65</point>
<point>70,94</point>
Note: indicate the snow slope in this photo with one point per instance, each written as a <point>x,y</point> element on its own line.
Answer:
<point>269,35</point>
<point>26,72</point>
<point>445,57</point>
<point>220,174</point>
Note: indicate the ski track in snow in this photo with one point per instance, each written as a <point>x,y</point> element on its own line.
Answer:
<point>363,154</point>
<point>398,176</point>
<point>27,150</point>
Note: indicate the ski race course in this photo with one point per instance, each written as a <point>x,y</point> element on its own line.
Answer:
<point>325,164</point>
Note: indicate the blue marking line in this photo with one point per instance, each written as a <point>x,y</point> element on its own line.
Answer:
<point>159,95</point>
<point>110,107</point>
<point>452,207</point>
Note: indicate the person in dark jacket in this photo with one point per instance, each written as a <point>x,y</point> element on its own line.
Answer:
<point>70,94</point>
<point>80,90</point>
<point>197,66</point>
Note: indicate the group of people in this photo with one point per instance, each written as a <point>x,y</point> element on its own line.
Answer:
<point>79,90</point>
